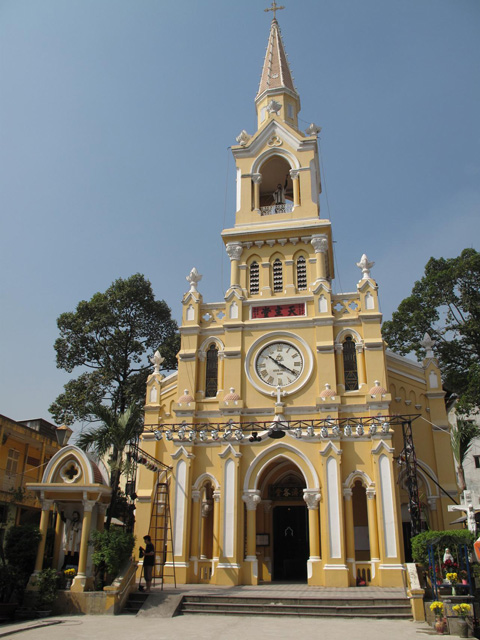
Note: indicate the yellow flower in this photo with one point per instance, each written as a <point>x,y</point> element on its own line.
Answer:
<point>462,609</point>
<point>452,577</point>
<point>437,607</point>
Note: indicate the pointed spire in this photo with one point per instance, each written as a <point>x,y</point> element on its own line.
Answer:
<point>276,72</point>
<point>277,96</point>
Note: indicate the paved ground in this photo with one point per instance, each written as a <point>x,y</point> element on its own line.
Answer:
<point>204,627</point>
<point>218,628</point>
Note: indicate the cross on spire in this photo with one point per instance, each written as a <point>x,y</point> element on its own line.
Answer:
<point>274,8</point>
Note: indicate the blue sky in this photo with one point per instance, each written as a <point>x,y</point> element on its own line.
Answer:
<point>115,122</point>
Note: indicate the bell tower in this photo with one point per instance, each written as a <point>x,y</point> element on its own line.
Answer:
<point>280,246</point>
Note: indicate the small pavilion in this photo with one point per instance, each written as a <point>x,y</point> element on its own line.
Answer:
<point>75,486</point>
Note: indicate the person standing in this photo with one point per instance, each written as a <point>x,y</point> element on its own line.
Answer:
<point>148,561</point>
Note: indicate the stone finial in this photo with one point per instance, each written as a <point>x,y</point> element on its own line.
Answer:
<point>274,107</point>
<point>428,343</point>
<point>193,279</point>
<point>365,265</point>
<point>243,138</point>
<point>313,130</point>
<point>156,360</point>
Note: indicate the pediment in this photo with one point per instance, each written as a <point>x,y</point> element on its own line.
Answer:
<point>260,141</point>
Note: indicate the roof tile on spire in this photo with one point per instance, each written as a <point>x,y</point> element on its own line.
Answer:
<point>276,72</point>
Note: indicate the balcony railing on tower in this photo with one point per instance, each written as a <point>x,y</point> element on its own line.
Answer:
<point>285,207</point>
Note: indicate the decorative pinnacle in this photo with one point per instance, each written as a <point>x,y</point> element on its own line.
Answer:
<point>156,360</point>
<point>193,278</point>
<point>275,7</point>
<point>428,343</point>
<point>365,265</point>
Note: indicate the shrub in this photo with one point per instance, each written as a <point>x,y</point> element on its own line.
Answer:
<point>112,548</point>
<point>46,583</point>
<point>21,547</point>
<point>441,540</point>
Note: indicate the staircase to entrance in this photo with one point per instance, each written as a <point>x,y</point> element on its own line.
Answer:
<point>293,600</point>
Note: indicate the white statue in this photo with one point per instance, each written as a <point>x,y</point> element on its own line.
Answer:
<point>72,534</point>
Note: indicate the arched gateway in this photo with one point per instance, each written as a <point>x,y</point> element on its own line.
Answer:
<point>283,438</point>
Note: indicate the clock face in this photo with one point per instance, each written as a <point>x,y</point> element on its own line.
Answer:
<point>279,364</point>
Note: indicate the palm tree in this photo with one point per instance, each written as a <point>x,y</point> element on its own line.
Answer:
<point>463,435</point>
<point>114,433</point>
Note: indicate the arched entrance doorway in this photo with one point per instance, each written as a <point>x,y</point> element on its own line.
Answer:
<point>286,550</point>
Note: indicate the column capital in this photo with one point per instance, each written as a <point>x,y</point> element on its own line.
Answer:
<point>432,502</point>
<point>251,500</point>
<point>312,497</point>
<point>347,494</point>
<point>319,242</point>
<point>196,495</point>
<point>102,508</point>
<point>267,505</point>
<point>216,496</point>
<point>88,505</point>
<point>370,493</point>
<point>294,173</point>
<point>257,178</point>
<point>234,250</point>
<point>47,504</point>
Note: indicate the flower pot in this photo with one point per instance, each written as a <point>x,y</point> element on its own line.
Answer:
<point>463,628</point>
<point>440,624</point>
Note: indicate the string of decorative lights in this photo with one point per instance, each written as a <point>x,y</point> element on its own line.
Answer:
<point>277,428</point>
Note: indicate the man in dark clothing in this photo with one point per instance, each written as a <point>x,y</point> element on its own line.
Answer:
<point>148,561</point>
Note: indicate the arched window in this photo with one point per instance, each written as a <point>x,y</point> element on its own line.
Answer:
<point>254,278</point>
<point>301,274</point>
<point>350,364</point>
<point>277,275</point>
<point>211,378</point>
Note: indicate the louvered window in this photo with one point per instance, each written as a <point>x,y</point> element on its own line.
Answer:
<point>277,275</point>
<point>350,364</point>
<point>211,381</point>
<point>254,278</point>
<point>301,274</point>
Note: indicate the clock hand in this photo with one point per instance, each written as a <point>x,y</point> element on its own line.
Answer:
<point>294,373</point>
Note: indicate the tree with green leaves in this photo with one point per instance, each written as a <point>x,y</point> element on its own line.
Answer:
<point>109,339</point>
<point>111,438</point>
<point>463,435</point>
<point>445,303</point>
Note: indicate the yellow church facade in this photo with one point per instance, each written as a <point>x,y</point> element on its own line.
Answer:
<point>288,425</point>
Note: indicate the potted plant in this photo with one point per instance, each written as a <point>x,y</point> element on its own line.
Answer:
<point>440,622</point>
<point>462,610</point>
<point>69,575</point>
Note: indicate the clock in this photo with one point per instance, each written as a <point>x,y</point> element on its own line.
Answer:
<point>279,364</point>
<point>279,359</point>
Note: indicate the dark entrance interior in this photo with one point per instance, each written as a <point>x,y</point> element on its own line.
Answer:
<point>290,543</point>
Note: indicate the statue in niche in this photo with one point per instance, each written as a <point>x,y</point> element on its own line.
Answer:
<point>72,536</point>
<point>279,193</point>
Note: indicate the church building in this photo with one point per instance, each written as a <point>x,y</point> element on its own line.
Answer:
<point>300,447</point>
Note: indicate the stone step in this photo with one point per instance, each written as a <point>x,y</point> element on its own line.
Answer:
<point>397,608</point>
<point>327,601</point>
<point>134,603</point>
